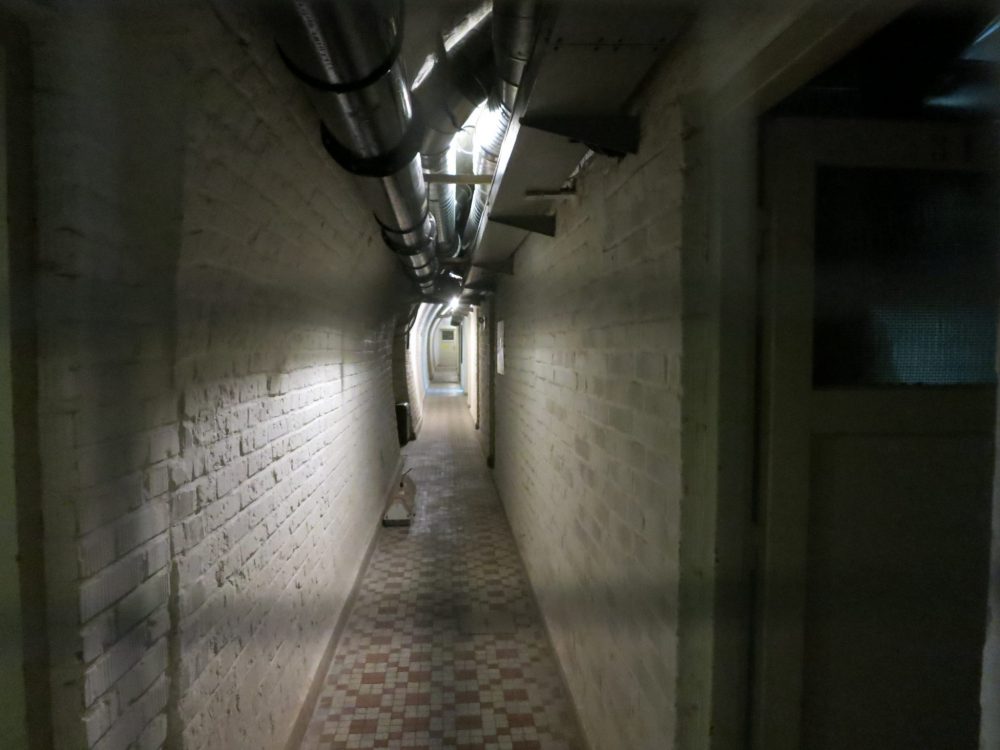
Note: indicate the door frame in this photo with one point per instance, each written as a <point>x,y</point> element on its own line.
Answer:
<point>721,227</point>
<point>792,150</point>
<point>21,243</point>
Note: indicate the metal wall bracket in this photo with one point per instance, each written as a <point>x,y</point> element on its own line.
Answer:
<point>611,135</point>
<point>458,179</point>
<point>503,266</point>
<point>537,223</point>
<point>543,194</point>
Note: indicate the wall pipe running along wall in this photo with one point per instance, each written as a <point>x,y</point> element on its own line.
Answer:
<point>347,54</point>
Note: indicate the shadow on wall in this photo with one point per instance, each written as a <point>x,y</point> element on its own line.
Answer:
<point>109,233</point>
<point>215,392</point>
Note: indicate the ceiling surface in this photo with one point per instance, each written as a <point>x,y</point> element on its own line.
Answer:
<point>589,60</point>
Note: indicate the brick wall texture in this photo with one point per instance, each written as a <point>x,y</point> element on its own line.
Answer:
<point>604,416</point>
<point>215,329</point>
<point>588,426</point>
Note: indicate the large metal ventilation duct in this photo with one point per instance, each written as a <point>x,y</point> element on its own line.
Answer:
<point>513,39</point>
<point>454,81</point>
<point>347,54</point>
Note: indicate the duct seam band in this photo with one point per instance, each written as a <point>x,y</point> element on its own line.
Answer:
<point>412,252</point>
<point>408,230</point>
<point>347,87</point>
<point>381,165</point>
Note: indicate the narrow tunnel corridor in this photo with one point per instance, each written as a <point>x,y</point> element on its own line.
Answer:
<point>681,316</point>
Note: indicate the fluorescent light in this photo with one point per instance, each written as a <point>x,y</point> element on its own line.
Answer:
<point>453,304</point>
<point>425,70</point>
<point>465,28</point>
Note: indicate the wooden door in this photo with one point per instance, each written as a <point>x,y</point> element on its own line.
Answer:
<point>447,348</point>
<point>877,352</point>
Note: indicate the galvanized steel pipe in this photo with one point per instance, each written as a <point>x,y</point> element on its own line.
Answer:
<point>347,54</point>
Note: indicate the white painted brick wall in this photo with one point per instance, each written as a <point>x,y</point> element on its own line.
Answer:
<point>603,417</point>
<point>588,433</point>
<point>215,323</point>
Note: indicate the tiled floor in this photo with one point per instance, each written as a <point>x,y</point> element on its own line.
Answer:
<point>444,648</point>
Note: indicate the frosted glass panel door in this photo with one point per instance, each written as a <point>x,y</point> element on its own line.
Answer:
<point>876,434</point>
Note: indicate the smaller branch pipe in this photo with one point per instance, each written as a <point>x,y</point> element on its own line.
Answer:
<point>448,89</point>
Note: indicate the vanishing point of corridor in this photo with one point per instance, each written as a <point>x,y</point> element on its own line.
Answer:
<point>444,647</point>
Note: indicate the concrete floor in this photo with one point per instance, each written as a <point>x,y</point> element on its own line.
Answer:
<point>444,647</point>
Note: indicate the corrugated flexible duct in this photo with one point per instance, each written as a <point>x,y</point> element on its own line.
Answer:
<point>453,82</point>
<point>485,162</point>
<point>347,53</point>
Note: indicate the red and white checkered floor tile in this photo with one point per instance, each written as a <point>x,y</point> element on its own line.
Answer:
<point>444,647</point>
